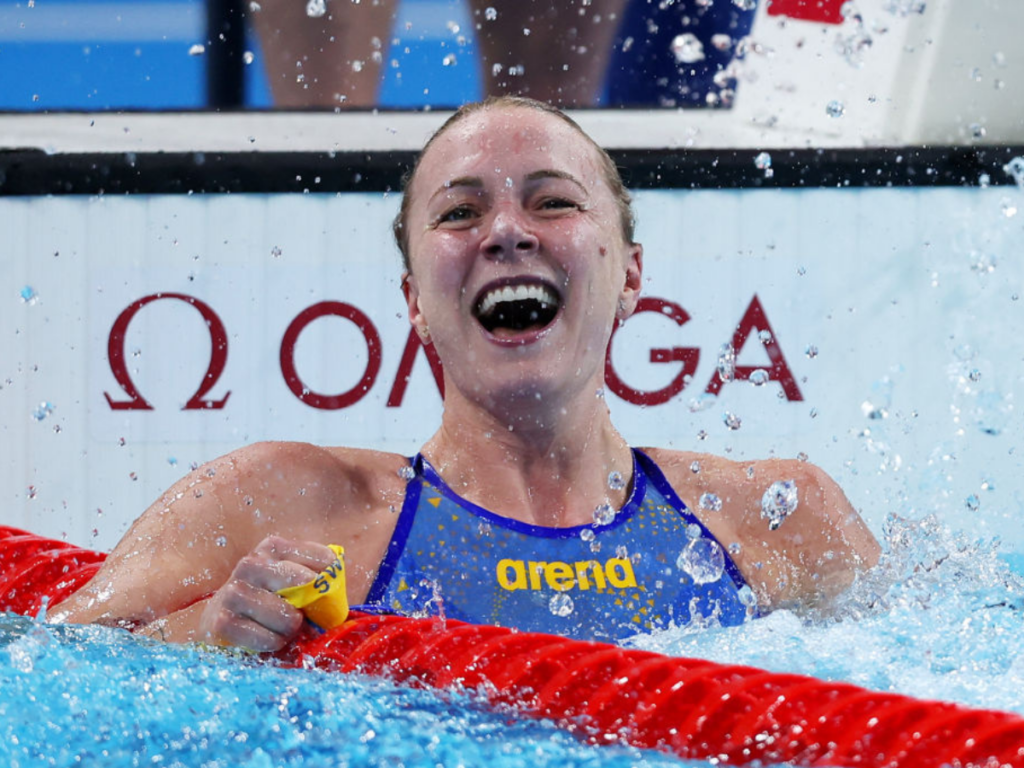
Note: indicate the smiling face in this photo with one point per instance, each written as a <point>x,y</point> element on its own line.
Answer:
<point>519,264</point>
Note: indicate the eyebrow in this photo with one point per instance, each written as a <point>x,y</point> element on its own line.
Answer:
<point>477,183</point>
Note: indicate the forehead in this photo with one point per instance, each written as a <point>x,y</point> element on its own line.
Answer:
<point>511,142</point>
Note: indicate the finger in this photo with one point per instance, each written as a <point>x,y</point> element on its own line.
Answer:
<point>311,554</point>
<point>246,633</point>
<point>263,607</point>
<point>272,575</point>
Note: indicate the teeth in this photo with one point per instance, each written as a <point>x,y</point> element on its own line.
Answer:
<point>516,293</point>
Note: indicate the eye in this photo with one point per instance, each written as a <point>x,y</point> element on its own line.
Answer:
<point>456,214</point>
<point>557,203</point>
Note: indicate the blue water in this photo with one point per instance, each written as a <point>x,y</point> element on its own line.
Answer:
<point>940,619</point>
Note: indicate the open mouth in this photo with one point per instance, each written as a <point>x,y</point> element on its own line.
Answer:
<point>507,309</point>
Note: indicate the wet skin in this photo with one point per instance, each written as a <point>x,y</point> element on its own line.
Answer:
<point>505,197</point>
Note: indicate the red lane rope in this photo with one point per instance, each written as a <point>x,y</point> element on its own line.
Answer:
<point>606,694</point>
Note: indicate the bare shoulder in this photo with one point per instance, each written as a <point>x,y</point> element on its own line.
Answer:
<point>810,556</point>
<point>189,540</point>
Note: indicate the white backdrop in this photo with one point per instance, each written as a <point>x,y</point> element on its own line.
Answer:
<point>910,298</point>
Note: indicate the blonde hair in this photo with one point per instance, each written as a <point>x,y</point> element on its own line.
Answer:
<point>611,173</point>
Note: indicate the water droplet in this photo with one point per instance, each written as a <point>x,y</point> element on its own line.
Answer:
<point>316,8</point>
<point>703,560</point>
<point>132,476</point>
<point>765,337</point>
<point>1008,207</point>
<point>731,420</point>
<point>275,251</point>
<point>248,57</point>
<point>811,351</point>
<point>974,375</point>
<point>972,502</point>
<point>721,41</point>
<point>587,534</point>
<point>28,295</point>
<point>695,467</point>
<point>496,69</point>
<point>763,161</point>
<point>449,60</point>
<point>406,472</point>
<point>615,481</point>
<point>801,456</point>
<point>710,502</point>
<point>693,531</point>
<point>604,514</point>
<point>222,541</point>
<point>702,435</point>
<point>172,461</point>
<point>735,548</point>
<point>779,502</point>
<point>726,362</point>
<point>1015,169</point>
<point>43,410</point>
<point>759,377</point>
<point>490,13</point>
<point>687,48</point>
<point>747,596</point>
<point>197,50</point>
<point>31,492</point>
<point>561,605</point>
<point>745,5</point>
<point>835,108</point>
<point>255,7</point>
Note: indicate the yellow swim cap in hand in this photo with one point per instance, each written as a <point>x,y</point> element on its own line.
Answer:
<point>324,600</point>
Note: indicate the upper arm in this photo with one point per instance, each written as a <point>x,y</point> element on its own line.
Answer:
<point>810,558</point>
<point>817,552</point>
<point>186,544</point>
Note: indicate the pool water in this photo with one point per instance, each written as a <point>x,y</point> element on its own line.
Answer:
<point>941,618</point>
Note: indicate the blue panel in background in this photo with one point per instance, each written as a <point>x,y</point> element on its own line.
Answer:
<point>124,54</point>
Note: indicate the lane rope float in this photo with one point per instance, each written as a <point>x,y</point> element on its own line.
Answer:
<point>605,694</point>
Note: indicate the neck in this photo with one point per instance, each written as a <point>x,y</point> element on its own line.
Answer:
<point>541,466</point>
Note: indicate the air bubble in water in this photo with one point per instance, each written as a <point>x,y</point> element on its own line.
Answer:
<point>316,8</point>
<point>561,605</point>
<point>490,13</point>
<point>779,502</point>
<point>687,48</point>
<point>702,560</point>
<point>759,377</point>
<point>407,473</point>
<point>28,295</point>
<point>731,420</point>
<point>726,362</point>
<point>43,410</point>
<point>615,481</point>
<point>835,108</point>
<point>710,502</point>
<point>197,50</point>
<point>604,514</point>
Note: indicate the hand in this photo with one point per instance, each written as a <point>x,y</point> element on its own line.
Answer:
<point>246,611</point>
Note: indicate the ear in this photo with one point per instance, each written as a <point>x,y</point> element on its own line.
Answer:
<point>411,292</point>
<point>629,296</point>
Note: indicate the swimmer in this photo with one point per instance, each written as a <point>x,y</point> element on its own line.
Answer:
<point>527,507</point>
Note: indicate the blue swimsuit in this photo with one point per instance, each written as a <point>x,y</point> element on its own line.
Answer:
<point>601,582</point>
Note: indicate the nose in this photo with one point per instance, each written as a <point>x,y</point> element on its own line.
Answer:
<point>508,237</point>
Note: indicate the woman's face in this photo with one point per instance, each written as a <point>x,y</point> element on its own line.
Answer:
<point>519,265</point>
